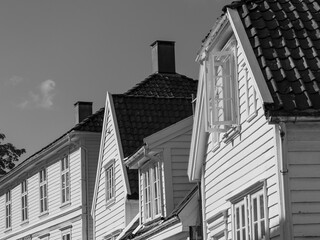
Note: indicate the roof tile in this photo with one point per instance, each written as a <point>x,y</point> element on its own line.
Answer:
<point>285,36</point>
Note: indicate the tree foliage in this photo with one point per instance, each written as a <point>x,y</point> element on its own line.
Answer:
<point>8,155</point>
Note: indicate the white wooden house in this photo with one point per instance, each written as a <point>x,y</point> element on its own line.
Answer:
<point>168,202</point>
<point>255,141</point>
<point>160,100</point>
<point>49,195</point>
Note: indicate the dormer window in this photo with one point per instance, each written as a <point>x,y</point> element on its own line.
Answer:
<point>151,194</point>
<point>222,110</point>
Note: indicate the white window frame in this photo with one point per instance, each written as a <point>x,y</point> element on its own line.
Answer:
<point>43,191</point>
<point>229,127</point>
<point>151,191</point>
<point>110,182</point>
<point>24,201</point>
<point>250,110</point>
<point>8,210</point>
<point>243,213</point>
<point>65,233</point>
<point>65,180</point>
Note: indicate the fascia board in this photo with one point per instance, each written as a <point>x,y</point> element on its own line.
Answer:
<point>169,133</point>
<point>216,30</point>
<point>119,144</point>
<point>250,58</point>
<point>99,165</point>
<point>198,143</point>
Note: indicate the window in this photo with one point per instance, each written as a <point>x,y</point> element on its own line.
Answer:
<point>251,96</point>
<point>8,209</point>
<point>66,234</point>
<point>151,192</point>
<point>24,201</point>
<point>43,191</point>
<point>222,110</point>
<point>249,216</point>
<point>110,182</point>
<point>65,180</point>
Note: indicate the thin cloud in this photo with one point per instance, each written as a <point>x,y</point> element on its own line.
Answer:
<point>42,97</point>
<point>14,81</point>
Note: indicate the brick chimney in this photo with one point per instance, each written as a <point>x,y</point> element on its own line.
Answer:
<point>82,110</point>
<point>163,58</point>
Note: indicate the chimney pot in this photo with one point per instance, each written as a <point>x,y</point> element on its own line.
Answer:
<point>82,110</point>
<point>163,57</point>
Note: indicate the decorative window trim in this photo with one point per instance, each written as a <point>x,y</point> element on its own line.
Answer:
<point>110,184</point>
<point>45,236</point>
<point>43,192</point>
<point>227,86</point>
<point>65,231</point>
<point>8,211</point>
<point>65,181</point>
<point>248,202</point>
<point>24,202</point>
<point>218,225</point>
<point>151,175</point>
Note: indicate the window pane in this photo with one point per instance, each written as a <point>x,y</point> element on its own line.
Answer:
<point>243,216</point>
<point>255,209</point>
<point>261,206</point>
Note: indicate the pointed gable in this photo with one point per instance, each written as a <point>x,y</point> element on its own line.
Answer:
<point>285,37</point>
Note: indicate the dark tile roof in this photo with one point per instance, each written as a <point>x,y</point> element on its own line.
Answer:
<point>165,85</point>
<point>285,36</point>
<point>139,117</point>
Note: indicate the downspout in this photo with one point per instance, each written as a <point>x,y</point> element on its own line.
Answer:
<point>202,198</point>
<point>84,188</point>
<point>281,138</point>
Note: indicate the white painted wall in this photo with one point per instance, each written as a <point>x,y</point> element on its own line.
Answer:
<point>58,215</point>
<point>247,159</point>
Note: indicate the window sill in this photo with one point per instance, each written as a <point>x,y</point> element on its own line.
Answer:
<point>44,214</point>
<point>152,220</point>
<point>252,116</point>
<point>110,202</point>
<point>65,205</point>
<point>25,222</point>
<point>7,230</point>
<point>231,134</point>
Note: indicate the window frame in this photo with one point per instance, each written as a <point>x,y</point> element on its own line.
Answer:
<point>66,232</point>
<point>215,125</point>
<point>65,180</point>
<point>43,191</point>
<point>251,112</point>
<point>8,210</point>
<point>24,202</point>
<point>229,129</point>
<point>245,198</point>
<point>152,187</point>
<point>110,184</point>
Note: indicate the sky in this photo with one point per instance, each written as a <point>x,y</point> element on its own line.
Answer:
<point>55,53</point>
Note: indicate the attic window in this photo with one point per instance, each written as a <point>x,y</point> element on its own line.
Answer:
<point>221,89</point>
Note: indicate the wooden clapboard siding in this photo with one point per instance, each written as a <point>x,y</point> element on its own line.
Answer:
<point>112,217</point>
<point>303,159</point>
<point>55,208</point>
<point>250,157</point>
